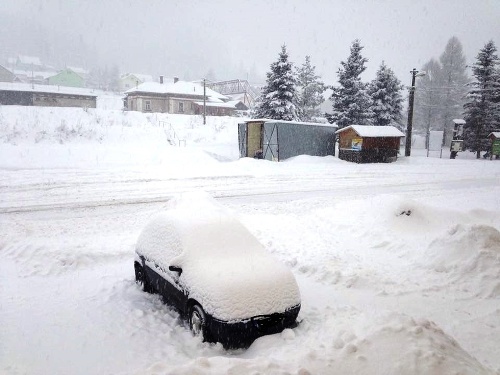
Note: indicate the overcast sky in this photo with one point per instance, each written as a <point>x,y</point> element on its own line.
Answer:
<point>189,38</point>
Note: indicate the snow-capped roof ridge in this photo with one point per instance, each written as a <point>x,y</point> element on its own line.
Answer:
<point>373,131</point>
<point>27,87</point>
<point>179,87</point>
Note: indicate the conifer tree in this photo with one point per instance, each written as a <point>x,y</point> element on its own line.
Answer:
<point>482,109</point>
<point>351,103</point>
<point>385,94</point>
<point>428,98</point>
<point>453,79</point>
<point>439,96</point>
<point>279,98</point>
<point>310,90</point>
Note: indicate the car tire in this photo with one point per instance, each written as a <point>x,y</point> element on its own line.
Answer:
<point>141,278</point>
<point>198,322</point>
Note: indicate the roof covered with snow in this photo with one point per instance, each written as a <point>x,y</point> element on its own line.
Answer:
<point>459,121</point>
<point>225,268</point>
<point>494,134</point>
<point>292,122</point>
<point>29,73</point>
<point>78,70</point>
<point>26,87</point>
<point>29,60</point>
<point>179,88</point>
<point>370,131</point>
<point>139,76</point>
<point>327,125</point>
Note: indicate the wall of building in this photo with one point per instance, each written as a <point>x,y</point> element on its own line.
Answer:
<point>129,82</point>
<point>389,143</point>
<point>47,100</point>
<point>346,137</point>
<point>15,98</point>
<point>163,104</point>
<point>147,104</point>
<point>188,106</point>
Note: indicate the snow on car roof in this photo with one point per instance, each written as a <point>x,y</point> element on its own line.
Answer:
<point>373,131</point>
<point>224,266</point>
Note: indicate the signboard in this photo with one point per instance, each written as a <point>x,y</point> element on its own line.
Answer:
<point>457,145</point>
<point>356,144</point>
<point>496,147</point>
<point>435,140</point>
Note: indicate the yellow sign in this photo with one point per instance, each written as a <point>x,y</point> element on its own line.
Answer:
<point>356,144</point>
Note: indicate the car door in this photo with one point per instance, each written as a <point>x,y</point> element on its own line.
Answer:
<point>168,284</point>
<point>176,290</point>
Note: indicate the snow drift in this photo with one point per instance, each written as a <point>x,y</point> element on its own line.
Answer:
<point>470,257</point>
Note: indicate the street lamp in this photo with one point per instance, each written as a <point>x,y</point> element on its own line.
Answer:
<point>414,73</point>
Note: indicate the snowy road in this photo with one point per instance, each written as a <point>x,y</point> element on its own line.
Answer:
<point>38,190</point>
<point>69,300</point>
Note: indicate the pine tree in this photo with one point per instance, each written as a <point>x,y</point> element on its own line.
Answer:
<point>482,109</point>
<point>453,81</point>
<point>310,90</point>
<point>385,94</point>
<point>351,103</point>
<point>279,98</point>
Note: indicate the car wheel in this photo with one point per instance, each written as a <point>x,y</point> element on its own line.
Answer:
<point>198,322</point>
<point>141,278</point>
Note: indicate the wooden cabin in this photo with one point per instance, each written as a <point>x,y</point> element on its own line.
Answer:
<point>369,144</point>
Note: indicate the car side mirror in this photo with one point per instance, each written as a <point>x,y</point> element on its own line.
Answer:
<point>175,269</point>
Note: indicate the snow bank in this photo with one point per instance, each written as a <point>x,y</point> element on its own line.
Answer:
<point>345,341</point>
<point>376,242</point>
<point>367,236</point>
<point>36,137</point>
<point>225,268</point>
<point>470,256</point>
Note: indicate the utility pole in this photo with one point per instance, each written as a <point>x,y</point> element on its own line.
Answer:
<point>414,73</point>
<point>204,101</point>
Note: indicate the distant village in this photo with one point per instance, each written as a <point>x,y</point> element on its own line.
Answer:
<point>27,81</point>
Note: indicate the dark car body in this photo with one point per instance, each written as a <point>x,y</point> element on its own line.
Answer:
<point>231,334</point>
<point>209,267</point>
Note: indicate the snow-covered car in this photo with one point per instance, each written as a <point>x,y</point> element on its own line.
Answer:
<point>221,279</point>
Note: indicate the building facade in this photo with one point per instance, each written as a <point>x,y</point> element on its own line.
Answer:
<point>45,96</point>
<point>179,97</point>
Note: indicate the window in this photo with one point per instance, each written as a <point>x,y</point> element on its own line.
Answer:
<point>147,104</point>
<point>181,107</point>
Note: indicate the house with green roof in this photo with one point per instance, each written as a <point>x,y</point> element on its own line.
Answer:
<point>67,77</point>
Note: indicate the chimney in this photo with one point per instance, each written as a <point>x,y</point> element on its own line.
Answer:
<point>161,80</point>
<point>176,79</point>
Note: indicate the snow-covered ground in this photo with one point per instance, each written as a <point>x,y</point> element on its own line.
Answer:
<point>398,264</point>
